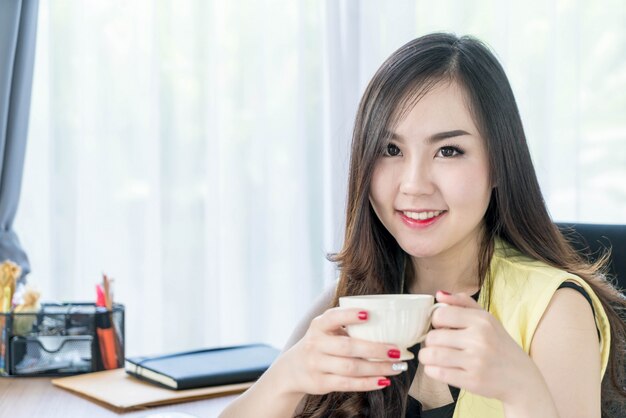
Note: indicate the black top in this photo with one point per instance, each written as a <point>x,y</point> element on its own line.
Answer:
<point>414,407</point>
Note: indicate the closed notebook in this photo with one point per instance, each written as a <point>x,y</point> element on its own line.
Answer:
<point>201,368</point>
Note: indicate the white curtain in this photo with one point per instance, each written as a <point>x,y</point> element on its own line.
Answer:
<point>197,151</point>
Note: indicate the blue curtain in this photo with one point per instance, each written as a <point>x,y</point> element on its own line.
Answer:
<point>18,28</point>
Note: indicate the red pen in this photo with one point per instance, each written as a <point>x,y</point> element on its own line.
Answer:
<point>108,300</point>
<point>106,335</point>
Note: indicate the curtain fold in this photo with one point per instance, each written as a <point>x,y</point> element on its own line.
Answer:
<point>18,27</point>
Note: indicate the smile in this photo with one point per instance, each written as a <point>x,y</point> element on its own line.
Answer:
<point>422,216</point>
<point>421,219</point>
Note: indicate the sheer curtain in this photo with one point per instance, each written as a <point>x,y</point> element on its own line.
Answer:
<point>177,146</point>
<point>197,151</point>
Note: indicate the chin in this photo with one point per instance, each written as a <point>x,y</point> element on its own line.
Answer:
<point>421,251</point>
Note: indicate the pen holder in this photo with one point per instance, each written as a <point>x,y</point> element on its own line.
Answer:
<point>62,339</point>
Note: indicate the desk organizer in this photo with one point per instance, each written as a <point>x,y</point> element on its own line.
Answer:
<point>62,339</point>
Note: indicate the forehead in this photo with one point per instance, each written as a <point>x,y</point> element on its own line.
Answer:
<point>443,106</point>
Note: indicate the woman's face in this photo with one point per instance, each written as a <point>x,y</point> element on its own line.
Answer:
<point>431,187</point>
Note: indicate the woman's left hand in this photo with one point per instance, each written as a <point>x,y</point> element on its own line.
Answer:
<point>470,349</point>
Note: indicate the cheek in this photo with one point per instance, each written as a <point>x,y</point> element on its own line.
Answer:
<point>468,188</point>
<point>381,190</point>
<point>383,194</point>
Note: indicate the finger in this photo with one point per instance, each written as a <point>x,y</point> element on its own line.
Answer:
<point>455,317</point>
<point>345,346</point>
<point>457,299</point>
<point>335,318</point>
<point>336,383</point>
<point>443,357</point>
<point>354,367</point>
<point>445,337</point>
<point>450,375</point>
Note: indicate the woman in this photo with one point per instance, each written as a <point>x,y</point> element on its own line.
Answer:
<point>443,199</point>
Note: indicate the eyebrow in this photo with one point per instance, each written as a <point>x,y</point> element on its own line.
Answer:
<point>439,136</point>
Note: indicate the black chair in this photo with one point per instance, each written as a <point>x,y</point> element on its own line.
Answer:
<point>592,239</point>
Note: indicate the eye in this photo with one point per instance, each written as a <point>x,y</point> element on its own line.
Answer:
<point>391,150</point>
<point>449,152</point>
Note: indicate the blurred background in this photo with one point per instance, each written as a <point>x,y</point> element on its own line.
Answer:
<point>197,151</point>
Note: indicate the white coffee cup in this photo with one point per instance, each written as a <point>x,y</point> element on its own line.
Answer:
<point>402,320</point>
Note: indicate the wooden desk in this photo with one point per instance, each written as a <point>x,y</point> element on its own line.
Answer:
<point>37,397</point>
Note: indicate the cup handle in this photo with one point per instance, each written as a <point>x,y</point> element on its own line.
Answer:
<point>430,317</point>
<point>435,307</point>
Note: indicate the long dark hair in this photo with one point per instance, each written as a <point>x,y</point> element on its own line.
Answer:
<point>371,261</point>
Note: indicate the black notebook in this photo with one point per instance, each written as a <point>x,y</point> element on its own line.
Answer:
<point>208,367</point>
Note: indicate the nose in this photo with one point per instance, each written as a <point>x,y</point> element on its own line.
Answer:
<point>416,178</point>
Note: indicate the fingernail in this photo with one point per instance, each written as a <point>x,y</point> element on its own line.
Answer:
<point>384,382</point>
<point>400,367</point>
<point>443,292</point>
<point>393,353</point>
<point>362,315</point>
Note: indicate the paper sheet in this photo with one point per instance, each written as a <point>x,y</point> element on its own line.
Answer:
<point>118,390</point>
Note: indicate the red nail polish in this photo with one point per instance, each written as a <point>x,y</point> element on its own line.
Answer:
<point>443,292</point>
<point>384,382</point>
<point>393,353</point>
<point>362,315</point>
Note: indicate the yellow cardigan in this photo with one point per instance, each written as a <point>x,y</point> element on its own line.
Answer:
<point>521,289</point>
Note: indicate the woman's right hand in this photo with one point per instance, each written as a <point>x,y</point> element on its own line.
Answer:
<point>327,360</point>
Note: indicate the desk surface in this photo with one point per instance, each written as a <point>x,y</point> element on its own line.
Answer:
<point>37,397</point>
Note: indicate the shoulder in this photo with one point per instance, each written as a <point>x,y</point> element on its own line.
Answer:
<point>569,312</point>
<point>530,280</point>
<point>529,283</point>
<point>565,350</point>
<point>522,269</point>
<point>569,307</point>
<point>525,296</point>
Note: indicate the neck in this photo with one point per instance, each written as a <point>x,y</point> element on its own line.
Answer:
<point>454,271</point>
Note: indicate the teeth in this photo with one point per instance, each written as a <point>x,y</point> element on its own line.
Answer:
<point>422,216</point>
